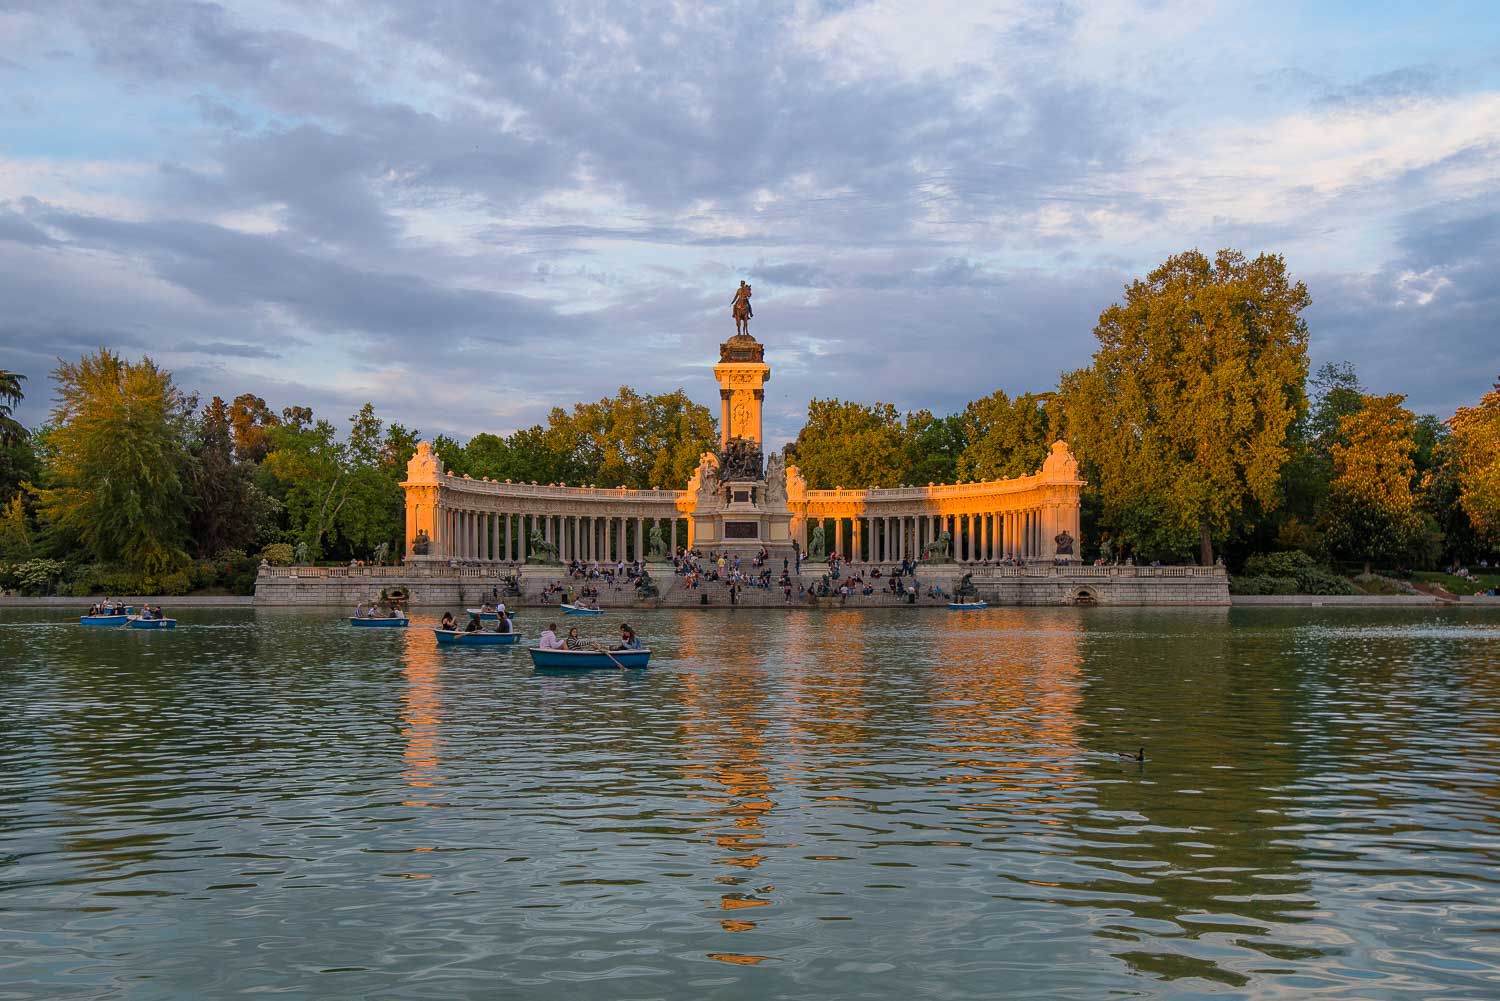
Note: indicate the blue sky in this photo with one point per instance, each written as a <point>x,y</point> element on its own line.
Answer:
<point>469,212</point>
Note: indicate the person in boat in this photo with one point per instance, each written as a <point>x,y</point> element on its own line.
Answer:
<point>485,608</point>
<point>448,623</point>
<point>573,642</point>
<point>628,639</point>
<point>359,609</point>
<point>473,626</point>
<point>548,639</point>
<point>502,622</point>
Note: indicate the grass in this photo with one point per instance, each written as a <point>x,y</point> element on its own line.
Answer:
<point>1483,579</point>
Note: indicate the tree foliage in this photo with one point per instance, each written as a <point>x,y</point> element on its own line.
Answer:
<point>1004,437</point>
<point>1194,391</point>
<point>11,431</point>
<point>1476,448</point>
<point>119,473</point>
<point>1371,512</point>
<point>846,444</point>
<point>229,510</point>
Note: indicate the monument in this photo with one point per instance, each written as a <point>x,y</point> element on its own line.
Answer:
<point>738,500</point>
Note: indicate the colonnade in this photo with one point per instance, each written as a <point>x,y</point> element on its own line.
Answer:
<point>483,536</point>
<point>1025,533</point>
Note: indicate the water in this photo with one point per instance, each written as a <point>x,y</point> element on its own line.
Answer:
<point>848,804</point>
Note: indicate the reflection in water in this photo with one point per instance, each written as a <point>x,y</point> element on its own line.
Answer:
<point>421,717</point>
<point>884,803</point>
<point>724,727</point>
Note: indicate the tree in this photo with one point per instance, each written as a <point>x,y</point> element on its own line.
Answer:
<point>630,440</point>
<point>1371,511</point>
<point>375,459</point>
<point>252,421</point>
<point>1476,442</point>
<point>229,510</point>
<point>933,447</point>
<point>119,467</point>
<point>15,536</point>
<point>307,461</point>
<point>11,430</point>
<point>1005,437</point>
<point>1194,391</point>
<point>852,445</point>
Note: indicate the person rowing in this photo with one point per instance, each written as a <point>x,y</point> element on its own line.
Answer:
<point>448,624</point>
<point>628,639</point>
<point>473,626</point>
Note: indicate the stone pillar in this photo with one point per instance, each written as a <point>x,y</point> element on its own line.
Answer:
<point>672,539</point>
<point>838,536</point>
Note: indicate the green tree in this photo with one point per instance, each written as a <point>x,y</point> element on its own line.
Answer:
<point>118,477</point>
<point>933,447</point>
<point>1476,447</point>
<point>1005,437</point>
<point>845,444</point>
<point>11,430</point>
<point>630,440</point>
<point>229,510</point>
<point>15,534</point>
<point>1194,391</point>
<point>308,464</point>
<point>375,459</point>
<point>1371,512</point>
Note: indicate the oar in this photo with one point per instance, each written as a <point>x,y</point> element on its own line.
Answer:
<point>610,656</point>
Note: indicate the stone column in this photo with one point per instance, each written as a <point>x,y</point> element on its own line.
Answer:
<point>640,539</point>
<point>838,536</point>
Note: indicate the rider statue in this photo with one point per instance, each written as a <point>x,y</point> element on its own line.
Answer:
<point>740,308</point>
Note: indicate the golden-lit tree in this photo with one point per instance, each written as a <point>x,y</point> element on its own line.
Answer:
<point>1194,391</point>
<point>1371,511</point>
<point>1476,439</point>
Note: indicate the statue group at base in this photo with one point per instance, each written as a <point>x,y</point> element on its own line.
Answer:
<point>939,550</point>
<point>657,550</point>
<point>540,550</point>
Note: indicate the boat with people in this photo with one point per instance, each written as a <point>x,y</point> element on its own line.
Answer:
<point>588,659</point>
<point>153,622</point>
<point>479,637</point>
<point>580,610</point>
<point>393,621</point>
<point>967,606</point>
<point>104,620</point>
<point>486,615</point>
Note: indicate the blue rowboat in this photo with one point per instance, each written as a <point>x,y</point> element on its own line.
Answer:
<point>483,616</point>
<point>103,620</point>
<point>393,622</point>
<point>136,622</point>
<point>968,606</point>
<point>455,637</point>
<point>580,610</point>
<point>584,659</point>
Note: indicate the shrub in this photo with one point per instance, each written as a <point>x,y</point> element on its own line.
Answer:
<point>1262,584</point>
<point>203,573</point>
<point>1283,564</point>
<point>117,580</point>
<point>35,578</point>
<point>1321,580</point>
<point>177,582</point>
<point>80,589</point>
<point>278,554</point>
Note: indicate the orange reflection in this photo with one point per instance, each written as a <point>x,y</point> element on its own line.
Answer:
<point>1006,689</point>
<point>421,716</point>
<point>725,721</point>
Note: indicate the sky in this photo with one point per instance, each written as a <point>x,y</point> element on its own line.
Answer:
<point>470,212</point>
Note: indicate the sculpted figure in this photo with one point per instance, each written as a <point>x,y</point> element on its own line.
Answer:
<point>739,306</point>
<point>539,550</point>
<point>1064,543</point>
<point>937,550</point>
<point>776,481</point>
<point>705,481</point>
<point>658,547</point>
<point>816,546</point>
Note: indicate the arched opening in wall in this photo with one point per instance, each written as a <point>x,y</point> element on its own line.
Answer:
<point>1085,596</point>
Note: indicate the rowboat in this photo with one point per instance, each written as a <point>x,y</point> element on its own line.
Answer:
<point>394,622</point>
<point>968,606</point>
<point>583,659</point>
<point>455,637</point>
<point>102,620</point>
<point>484,616</point>
<point>580,610</point>
<point>136,622</point>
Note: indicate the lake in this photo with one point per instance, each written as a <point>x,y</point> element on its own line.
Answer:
<point>841,804</point>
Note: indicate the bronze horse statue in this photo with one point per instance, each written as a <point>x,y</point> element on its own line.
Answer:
<point>740,307</point>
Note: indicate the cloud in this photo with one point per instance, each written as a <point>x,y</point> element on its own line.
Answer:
<point>470,216</point>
